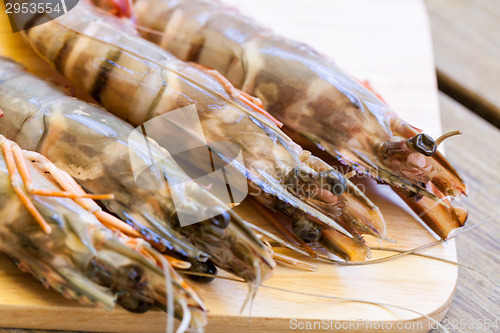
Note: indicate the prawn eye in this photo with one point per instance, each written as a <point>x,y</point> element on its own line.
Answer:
<point>133,304</point>
<point>222,220</point>
<point>423,144</point>
<point>174,220</point>
<point>202,267</point>
<point>336,181</point>
<point>306,230</point>
<point>135,274</point>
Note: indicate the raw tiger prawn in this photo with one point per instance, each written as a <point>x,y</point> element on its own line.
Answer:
<point>50,228</point>
<point>138,81</point>
<point>96,148</point>
<point>311,96</point>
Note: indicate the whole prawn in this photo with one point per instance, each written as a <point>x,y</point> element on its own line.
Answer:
<point>96,148</point>
<point>51,229</point>
<point>139,81</point>
<point>311,96</point>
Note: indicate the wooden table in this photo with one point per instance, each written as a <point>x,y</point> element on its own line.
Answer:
<point>467,52</point>
<point>468,65</point>
<point>467,49</point>
<point>477,298</point>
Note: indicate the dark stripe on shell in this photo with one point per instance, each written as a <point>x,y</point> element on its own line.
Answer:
<point>64,51</point>
<point>105,68</point>
<point>195,50</point>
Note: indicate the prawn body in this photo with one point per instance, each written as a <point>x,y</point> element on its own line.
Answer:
<point>139,81</point>
<point>95,148</point>
<point>312,97</point>
<point>72,251</point>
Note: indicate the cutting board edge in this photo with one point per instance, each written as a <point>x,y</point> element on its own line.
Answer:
<point>118,321</point>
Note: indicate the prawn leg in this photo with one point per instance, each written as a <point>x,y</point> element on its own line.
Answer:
<point>17,181</point>
<point>249,100</point>
<point>80,257</point>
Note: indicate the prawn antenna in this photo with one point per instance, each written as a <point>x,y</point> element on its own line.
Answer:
<point>445,136</point>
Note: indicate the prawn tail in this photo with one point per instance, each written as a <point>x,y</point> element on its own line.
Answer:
<point>442,219</point>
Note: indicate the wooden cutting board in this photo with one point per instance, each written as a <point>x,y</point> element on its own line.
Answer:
<point>385,41</point>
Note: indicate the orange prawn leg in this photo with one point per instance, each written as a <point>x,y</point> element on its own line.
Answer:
<point>71,187</point>
<point>254,100</point>
<point>114,223</point>
<point>69,184</point>
<point>249,100</point>
<point>181,264</point>
<point>136,245</point>
<point>16,179</point>
<point>28,183</point>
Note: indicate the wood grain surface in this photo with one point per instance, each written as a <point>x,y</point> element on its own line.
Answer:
<point>477,154</point>
<point>467,50</point>
<point>406,96</point>
<point>467,47</point>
